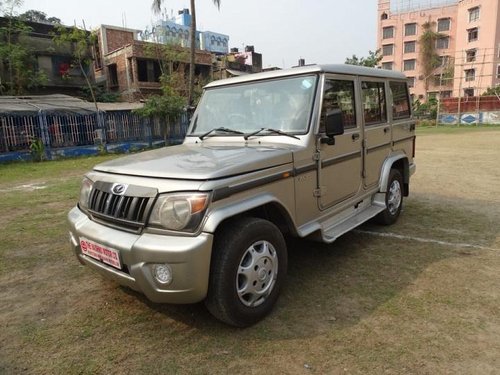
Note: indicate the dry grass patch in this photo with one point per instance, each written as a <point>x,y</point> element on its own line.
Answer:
<point>365,304</point>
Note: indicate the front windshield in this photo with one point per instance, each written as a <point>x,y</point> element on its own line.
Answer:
<point>282,104</point>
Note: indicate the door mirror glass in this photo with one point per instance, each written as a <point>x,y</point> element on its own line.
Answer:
<point>334,124</point>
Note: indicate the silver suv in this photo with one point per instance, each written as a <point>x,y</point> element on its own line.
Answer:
<point>307,152</point>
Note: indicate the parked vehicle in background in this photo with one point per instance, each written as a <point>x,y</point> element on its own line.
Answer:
<point>308,152</point>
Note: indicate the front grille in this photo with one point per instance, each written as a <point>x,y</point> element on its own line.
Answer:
<point>128,211</point>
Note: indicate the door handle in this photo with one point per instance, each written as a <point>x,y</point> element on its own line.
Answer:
<point>386,130</point>
<point>355,136</point>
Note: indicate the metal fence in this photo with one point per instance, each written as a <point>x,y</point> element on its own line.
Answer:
<point>59,130</point>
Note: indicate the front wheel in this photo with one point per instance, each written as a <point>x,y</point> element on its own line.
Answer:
<point>393,199</point>
<point>249,263</point>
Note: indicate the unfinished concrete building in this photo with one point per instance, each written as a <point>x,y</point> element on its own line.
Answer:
<point>132,68</point>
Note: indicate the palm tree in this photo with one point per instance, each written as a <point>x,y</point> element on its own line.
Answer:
<point>156,6</point>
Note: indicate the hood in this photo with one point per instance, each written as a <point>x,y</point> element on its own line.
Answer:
<point>198,161</point>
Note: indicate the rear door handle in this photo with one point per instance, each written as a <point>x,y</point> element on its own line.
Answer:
<point>386,130</point>
<point>355,137</point>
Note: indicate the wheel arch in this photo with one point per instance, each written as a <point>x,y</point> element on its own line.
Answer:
<point>264,206</point>
<point>400,162</point>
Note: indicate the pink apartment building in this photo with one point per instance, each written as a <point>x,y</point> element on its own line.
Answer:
<point>468,46</point>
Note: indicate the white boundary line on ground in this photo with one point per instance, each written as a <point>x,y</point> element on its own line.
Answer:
<point>424,240</point>
<point>27,187</point>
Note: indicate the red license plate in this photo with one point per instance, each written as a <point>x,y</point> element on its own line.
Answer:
<point>103,253</point>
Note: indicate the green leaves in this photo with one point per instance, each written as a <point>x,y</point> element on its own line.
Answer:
<point>17,56</point>
<point>371,61</point>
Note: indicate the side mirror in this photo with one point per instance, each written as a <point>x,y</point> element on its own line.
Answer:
<point>334,125</point>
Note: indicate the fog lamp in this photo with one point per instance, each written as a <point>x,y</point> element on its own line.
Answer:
<point>162,273</point>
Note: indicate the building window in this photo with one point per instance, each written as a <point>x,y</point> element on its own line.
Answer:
<point>409,64</point>
<point>444,60</point>
<point>148,70</point>
<point>445,94</point>
<point>473,14</point>
<point>498,71</point>
<point>388,32</point>
<point>470,75</point>
<point>97,55</point>
<point>410,29</point>
<point>468,92</point>
<point>472,34</point>
<point>400,100</point>
<point>388,49</point>
<point>387,65</point>
<point>411,82</point>
<point>113,75</point>
<point>374,104</point>
<point>470,55</point>
<point>409,47</point>
<point>443,25</point>
<point>443,43</point>
<point>384,16</point>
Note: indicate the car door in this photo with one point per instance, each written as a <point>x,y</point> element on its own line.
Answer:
<point>377,129</point>
<point>340,165</point>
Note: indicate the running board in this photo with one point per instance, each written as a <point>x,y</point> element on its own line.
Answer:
<point>335,231</point>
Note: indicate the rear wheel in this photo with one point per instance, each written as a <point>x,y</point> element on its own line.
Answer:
<point>248,266</point>
<point>393,199</point>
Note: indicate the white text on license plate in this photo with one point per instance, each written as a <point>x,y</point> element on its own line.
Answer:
<point>100,252</point>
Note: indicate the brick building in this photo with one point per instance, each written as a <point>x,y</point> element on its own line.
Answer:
<point>132,68</point>
<point>468,44</point>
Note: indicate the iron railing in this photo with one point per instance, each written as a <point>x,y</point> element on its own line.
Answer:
<point>70,130</point>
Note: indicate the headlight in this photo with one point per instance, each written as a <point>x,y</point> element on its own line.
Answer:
<point>85,191</point>
<point>180,211</point>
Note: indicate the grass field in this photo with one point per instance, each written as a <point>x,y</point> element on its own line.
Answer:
<point>419,297</point>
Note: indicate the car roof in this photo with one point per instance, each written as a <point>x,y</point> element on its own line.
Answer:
<point>345,69</point>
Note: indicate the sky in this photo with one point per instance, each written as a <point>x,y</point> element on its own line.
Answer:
<point>320,31</point>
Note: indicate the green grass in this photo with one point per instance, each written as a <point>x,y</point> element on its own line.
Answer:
<point>19,172</point>
<point>455,129</point>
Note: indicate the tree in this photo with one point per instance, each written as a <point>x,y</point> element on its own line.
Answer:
<point>429,59</point>
<point>371,61</point>
<point>172,103</point>
<point>38,16</point>
<point>81,42</point>
<point>492,91</point>
<point>156,6</point>
<point>16,57</point>
<point>169,106</point>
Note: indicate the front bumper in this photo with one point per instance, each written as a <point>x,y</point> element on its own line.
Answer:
<point>188,257</point>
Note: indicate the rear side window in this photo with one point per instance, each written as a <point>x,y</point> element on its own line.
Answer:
<point>400,101</point>
<point>374,105</point>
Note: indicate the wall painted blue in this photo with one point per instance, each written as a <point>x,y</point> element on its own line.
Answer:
<point>73,152</point>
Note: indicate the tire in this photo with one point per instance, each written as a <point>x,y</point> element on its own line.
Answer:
<point>393,199</point>
<point>248,268</point>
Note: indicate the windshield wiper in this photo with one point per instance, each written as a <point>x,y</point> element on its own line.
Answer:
<point>274,131</point>
<point>221,129</point>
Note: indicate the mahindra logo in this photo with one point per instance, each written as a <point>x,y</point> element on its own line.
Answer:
<point>119,189</point>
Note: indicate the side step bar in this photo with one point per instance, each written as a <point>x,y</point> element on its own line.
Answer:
<point>330,234</point>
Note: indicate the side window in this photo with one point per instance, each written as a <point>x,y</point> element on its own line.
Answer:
<point>339,94</point>
<point>400,102</point>
<point>374,105</point>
